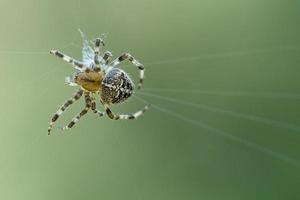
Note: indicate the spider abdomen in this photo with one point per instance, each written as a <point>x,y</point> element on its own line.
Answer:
<point>116,87</point>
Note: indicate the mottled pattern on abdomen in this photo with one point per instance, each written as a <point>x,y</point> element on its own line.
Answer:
<point>116,87</point>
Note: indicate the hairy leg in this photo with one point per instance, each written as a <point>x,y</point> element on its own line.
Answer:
<point>98,42</point>
<point>81,113</point>
<point>106,57</point>
<point>70,101</point>
<point>134,115</point>
<point>133,61</point>
<point>94,109</point>
<point>76,64</point>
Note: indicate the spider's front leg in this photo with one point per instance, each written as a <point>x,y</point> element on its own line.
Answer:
<point>98,42</point>
<point>135,115</point>
<point>76,64</point>
<point>106,57</point>
<point>88,104</point>
<point>132,60</point>
<point>77,96</point>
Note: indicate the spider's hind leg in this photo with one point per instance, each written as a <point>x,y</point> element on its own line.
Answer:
<point>54,118</point>
<point>132,60</point>
<point>88,104</point>
<point>134,115</point>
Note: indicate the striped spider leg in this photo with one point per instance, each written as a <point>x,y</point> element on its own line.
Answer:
<point>134,115</point>
<point>98,42</point>
<point>88,105</point>
<point>69,102</point>
<point>106,57</point>
<point>76,64</point>
<point>93,107</point>
<point>132,60</point>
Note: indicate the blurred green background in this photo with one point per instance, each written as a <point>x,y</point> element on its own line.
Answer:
<point>223,77</point>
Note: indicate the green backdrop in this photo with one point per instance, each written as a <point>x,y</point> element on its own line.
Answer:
<point>223,78</point>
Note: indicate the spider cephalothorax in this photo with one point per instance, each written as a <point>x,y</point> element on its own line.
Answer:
<point>96,75</point>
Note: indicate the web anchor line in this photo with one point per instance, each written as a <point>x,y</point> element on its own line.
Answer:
<point>226,135</point>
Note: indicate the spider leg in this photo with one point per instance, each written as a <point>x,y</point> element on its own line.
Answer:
<point>82,112</point>
<point>132,60</point>
<point>98,42</point>
<point>93,108</point>
<point>106,57</point>
<point>76,64</point>
<point>77,95</point>
<point>134,115</point>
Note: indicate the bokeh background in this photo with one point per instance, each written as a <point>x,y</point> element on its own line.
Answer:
<point>223,78</point>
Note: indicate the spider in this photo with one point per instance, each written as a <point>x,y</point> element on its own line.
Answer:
<point>96,75</point>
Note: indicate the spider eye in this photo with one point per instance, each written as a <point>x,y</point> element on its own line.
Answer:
<point>116,87</point>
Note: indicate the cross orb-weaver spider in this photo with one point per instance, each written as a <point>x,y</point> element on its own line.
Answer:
<point>96,75</point>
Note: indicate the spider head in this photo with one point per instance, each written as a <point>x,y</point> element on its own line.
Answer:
<point>116,86</point>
